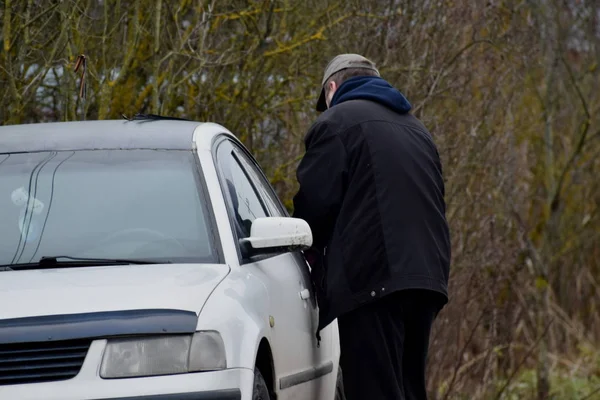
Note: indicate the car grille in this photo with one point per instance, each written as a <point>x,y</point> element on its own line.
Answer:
<point>41,362</point>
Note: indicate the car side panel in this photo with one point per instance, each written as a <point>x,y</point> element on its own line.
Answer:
<point>239,309</point>
<point>257,291</point>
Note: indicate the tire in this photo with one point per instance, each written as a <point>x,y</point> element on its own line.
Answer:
<point>260,391</point>
<point>339,386</point>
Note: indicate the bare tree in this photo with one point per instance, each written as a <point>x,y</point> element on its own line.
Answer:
<point>508,88</point>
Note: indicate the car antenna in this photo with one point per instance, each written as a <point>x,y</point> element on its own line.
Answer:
<point>80,63</point>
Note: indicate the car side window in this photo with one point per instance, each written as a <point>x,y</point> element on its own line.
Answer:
<point>264,187</point>
<point>245,203</point>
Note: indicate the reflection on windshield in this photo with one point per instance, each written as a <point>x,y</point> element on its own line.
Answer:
<point>102,204</point>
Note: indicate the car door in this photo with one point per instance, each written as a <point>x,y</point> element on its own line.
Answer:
<point>299,362</point>
<point>325,358</point>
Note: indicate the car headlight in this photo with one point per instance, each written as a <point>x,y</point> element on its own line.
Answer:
<point>163,355</point>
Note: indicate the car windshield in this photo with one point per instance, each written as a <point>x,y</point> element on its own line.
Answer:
<point>113,204</point>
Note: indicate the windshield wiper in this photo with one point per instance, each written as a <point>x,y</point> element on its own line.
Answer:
<point>152,117</point>
<point>68,261</point>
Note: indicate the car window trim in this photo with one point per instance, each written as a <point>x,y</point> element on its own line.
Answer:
<point>282,209</point>
<point>236,149</point>
<point>218,141</point>
<point>264,177</point>
<point>251,259</point>
<point>252,184</point>
<point>265,191</point>
<point>213,227</point>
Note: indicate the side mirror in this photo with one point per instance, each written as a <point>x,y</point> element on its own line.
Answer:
<point>278,234</point>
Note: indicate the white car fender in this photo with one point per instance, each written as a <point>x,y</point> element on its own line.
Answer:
<point>238,309</point>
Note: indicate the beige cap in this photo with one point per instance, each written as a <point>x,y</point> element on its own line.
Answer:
<point>341,62</point>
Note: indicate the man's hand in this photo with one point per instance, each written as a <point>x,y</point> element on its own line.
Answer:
<point>312,256</point>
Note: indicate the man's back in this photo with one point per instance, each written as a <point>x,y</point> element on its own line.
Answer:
<point>372,191</point>
<point>390,231</point>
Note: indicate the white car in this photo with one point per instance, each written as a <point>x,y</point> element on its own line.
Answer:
<point>152,259</point>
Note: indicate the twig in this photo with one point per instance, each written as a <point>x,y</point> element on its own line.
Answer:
<point>593,392</point>
<point>585,127</point>
<point>525,357</point>
<point>458,364</point>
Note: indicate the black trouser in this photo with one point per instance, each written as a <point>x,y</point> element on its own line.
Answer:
<point>384,346</point>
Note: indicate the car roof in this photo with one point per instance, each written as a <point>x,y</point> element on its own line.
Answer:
<point>105,134</point>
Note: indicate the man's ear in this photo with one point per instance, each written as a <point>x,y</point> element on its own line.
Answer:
<point>329,92</point>
<point>332,87</point>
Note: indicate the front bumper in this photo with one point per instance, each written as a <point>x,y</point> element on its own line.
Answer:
<point>229,384</point>
<point>229,394</point>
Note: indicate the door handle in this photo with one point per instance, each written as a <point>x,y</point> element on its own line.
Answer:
<point>305,294</point>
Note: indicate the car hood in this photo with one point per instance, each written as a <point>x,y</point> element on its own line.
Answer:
<point>109,288</point>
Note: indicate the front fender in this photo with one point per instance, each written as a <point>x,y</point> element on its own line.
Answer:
<point>238,309</point>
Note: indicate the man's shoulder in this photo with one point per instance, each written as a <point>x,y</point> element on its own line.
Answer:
<point>342,111</point>
<point>329,122</point>
<point>361,115</point>
<point>358,112</point>
<point>345,114</point>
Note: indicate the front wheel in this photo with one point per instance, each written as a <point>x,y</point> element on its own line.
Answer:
<point>260,391</point>
<point>339,386</point>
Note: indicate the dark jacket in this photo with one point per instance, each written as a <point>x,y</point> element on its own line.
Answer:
<point>372,191</point>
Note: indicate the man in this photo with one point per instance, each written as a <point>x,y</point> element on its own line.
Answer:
<point>372,191</point>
